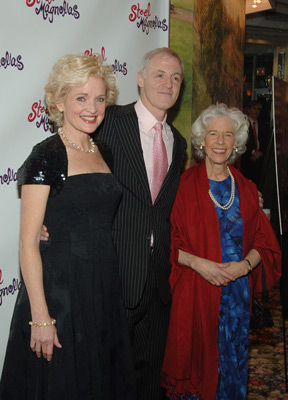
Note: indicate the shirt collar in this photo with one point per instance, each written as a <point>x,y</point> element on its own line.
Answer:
<point>147,120</point>
<point>252,120</point>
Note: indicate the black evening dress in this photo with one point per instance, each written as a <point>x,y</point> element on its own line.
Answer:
<point>83,293</point>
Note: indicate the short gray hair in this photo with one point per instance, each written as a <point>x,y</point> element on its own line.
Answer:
<point>162,51</point>
<point>215,111</point>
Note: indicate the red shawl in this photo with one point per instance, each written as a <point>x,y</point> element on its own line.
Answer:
<point>191,357</point>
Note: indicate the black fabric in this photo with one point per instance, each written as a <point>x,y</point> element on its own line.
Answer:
<point>83,293</point>
<point>137,217</point>
<point>261,316</point>
<point>147,307</point>
<point>253,169</point>
<point>148,325</point>
<point>48,164</point>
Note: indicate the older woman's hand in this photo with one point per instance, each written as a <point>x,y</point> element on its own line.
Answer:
<point>215,273</point>
<point>212,272</point>
<point>237,269</point>
<point>241,268</point>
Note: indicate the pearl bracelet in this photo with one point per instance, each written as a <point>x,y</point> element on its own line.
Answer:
<point>250,268</point>
<point>53,322</point>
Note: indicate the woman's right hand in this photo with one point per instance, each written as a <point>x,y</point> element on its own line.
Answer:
<point>212,272</point>
<point>43,340</point>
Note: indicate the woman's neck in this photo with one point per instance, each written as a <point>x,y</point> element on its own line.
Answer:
<point>216,172</point>
<point>80,139</point>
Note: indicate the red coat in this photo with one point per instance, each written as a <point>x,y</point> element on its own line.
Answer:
<point>191,357</point>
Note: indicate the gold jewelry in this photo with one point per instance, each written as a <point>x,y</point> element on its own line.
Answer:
<point>232,196</point>
<point>250,268</point>
<point>53,322</point>
<point>236,149</point>
<point>201,146</point>
<point>91,150</point>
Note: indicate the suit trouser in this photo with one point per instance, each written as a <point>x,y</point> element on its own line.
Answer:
<point>148,325</point>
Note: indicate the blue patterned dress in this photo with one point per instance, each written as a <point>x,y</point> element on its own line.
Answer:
<point>234,313</point>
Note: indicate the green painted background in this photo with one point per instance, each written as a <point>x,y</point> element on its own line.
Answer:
<point>209,37</point>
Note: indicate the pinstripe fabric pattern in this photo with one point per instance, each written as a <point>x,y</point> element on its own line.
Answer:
<point>137,216</point>
<point>148,328</point>
<point>145,283</point>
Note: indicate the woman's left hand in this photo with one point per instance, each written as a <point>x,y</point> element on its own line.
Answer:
<point>237,269</point>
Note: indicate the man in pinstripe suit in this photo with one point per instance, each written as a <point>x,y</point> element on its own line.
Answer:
<point>141,228</point>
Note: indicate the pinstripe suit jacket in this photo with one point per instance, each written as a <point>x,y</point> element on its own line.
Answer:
<point>137,217</point>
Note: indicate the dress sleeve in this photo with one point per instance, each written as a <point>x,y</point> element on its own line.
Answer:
<point>36,169</point>
<point>46,165</point>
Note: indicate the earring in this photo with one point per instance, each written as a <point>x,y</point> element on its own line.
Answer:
<point>201,146</point>
<point>236,149</point>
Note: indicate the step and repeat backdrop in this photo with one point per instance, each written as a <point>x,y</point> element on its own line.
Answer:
<point>34,34</point>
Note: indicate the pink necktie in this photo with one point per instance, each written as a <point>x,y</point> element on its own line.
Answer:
<point>160,162</point>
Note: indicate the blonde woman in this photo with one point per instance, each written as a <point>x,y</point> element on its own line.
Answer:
<point>69,338</point>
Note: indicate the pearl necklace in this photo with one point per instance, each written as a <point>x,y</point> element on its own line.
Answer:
<point>232,197</point>
<point>80,148</point>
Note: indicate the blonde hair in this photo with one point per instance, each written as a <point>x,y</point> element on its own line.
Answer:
<point>72,70</point>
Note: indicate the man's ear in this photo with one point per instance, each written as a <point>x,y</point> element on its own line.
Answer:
<point>140,80</point>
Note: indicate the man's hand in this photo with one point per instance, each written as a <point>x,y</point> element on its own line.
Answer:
<point>44,234</point>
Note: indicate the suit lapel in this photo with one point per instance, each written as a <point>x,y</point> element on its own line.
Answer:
<point>129,137</point>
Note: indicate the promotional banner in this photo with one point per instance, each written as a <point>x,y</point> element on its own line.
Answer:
<point>34,34</point>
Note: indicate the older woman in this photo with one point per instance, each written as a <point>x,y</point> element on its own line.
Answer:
<point>219,235</point>
<point>71,282</point>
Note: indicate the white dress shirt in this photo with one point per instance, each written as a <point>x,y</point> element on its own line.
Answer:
<point>146,122</point>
